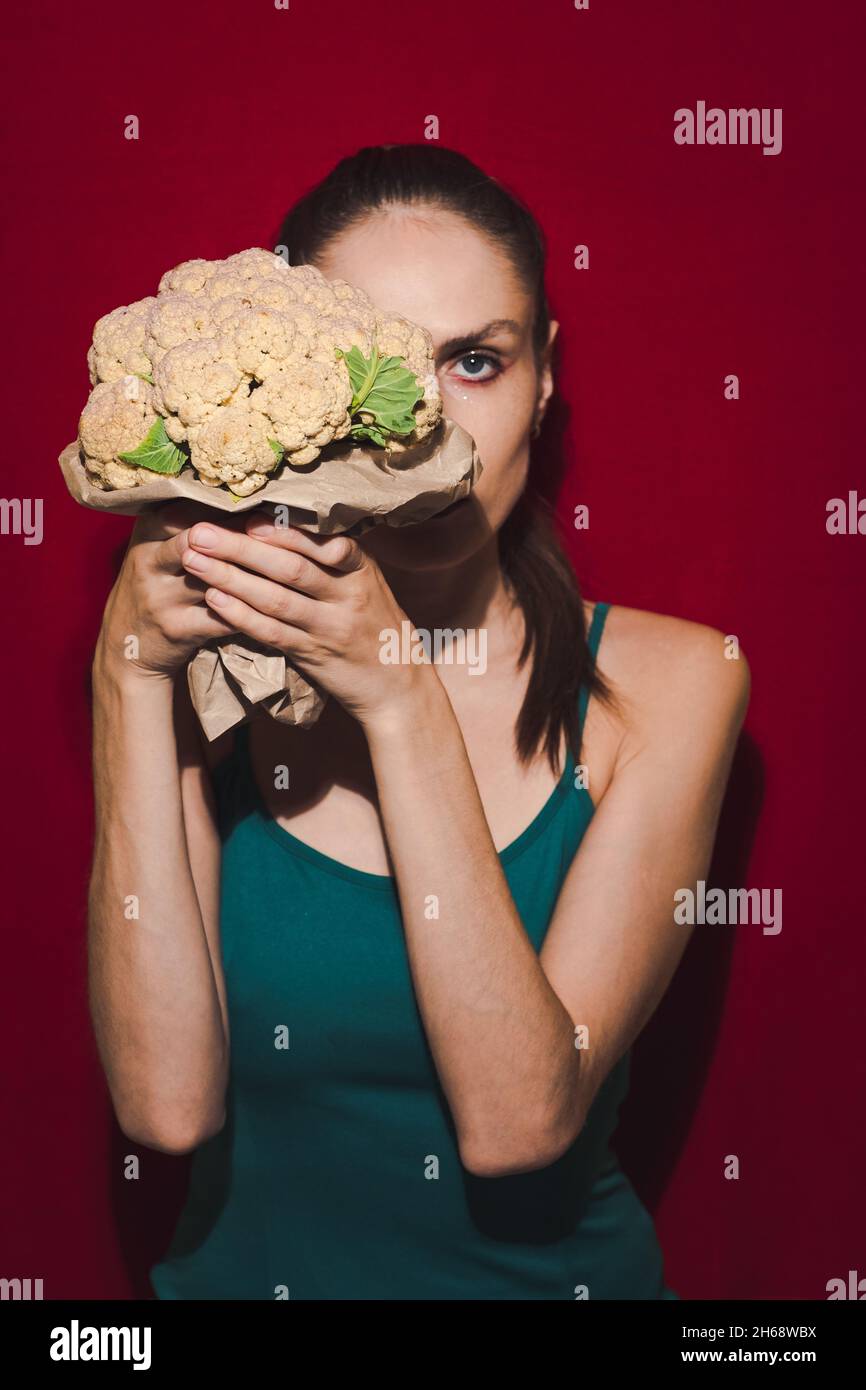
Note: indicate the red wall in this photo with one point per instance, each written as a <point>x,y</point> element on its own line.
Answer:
<point>704,261</point>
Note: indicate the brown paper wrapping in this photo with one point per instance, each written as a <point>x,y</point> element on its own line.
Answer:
<point>351,489</point>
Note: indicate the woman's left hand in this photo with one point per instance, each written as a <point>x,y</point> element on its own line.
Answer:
<point>320,600</point>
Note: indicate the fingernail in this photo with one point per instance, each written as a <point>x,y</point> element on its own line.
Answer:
<point>192,561</point>
<point>217,598</point>
<point>205,536</point>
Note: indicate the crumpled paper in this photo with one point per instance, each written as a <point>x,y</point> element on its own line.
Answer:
<point>351,489</point>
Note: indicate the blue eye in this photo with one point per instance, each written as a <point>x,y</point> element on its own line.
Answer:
<point>478,361</point>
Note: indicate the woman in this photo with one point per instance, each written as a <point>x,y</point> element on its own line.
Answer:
<point>390,1005</point>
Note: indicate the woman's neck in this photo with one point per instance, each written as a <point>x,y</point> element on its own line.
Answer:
<point>470,595</point>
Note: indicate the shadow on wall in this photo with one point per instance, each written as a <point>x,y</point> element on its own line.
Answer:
<point>671,1058</point>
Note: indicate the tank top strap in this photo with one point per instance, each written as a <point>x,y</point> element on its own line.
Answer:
<point>599,614</point>
<point>241,756</point>
<point>242,738</point>
<point>231,775</point>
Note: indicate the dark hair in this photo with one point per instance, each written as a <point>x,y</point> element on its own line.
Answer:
<point>534,564</point>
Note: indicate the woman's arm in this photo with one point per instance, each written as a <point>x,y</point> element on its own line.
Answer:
<point>501,1020</point>
<point>157,993</point>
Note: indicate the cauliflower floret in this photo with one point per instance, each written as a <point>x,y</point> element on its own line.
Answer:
<point>175,319</point>
<point>115,420</point>
<point>307,322</point>
<point>280,292</point>
<point>397,337</point>
<point>223,312</point>
<point>245,274</point>
<point>309,276</point>
<point>261,338</point>
<point>255,263</point>
<point>346,299</point>
<point>310,287</point>
<point>343,290</point>
<point>251,483</point>
<point>345,331</point>
<point>232,447</point>
<point>225,282</point>
<point>190,277</point>
<point>118,343</point>
<point>192,380</point>
<point>308,402</point>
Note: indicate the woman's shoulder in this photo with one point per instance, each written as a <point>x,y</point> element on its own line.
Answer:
<point>667,669</point>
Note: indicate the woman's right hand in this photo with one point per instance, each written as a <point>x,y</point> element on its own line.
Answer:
<point>156,618</point>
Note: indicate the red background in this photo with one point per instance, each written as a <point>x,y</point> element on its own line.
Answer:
<point>704,261</point>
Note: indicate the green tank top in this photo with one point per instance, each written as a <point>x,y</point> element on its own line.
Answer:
<point>337,1174</point>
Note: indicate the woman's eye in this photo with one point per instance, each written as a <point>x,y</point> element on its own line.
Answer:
<point>479,366</point>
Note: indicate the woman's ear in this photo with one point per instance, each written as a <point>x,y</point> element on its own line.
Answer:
<point>545,378</point>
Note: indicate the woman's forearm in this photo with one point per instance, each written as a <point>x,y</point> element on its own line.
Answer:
<point>154,998</point>
<point>502,1040</point>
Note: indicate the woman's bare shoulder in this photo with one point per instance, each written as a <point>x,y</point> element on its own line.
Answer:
<point>667,670</point>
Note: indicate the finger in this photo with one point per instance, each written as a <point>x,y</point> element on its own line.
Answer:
<point>206,625</point>
<point>168,554</point>
<point>267,630</point>
<point>193,625</point>
<point>273,600</point>
<point>337,552</point>
<point>282,566</point>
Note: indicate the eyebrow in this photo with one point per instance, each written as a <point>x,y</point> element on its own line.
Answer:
<point>452,345</point>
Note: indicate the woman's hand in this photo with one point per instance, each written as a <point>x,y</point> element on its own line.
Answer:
<point>156,616</point>
<point>320,600</point>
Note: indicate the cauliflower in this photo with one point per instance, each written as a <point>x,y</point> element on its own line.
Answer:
<point>189,277</point>
<point>233,447</point>
<point>192,380</point>
<point>116,418</point>
<point>262,339</point>
<point>175,319</point>
<point>246,365</point>
<point>118,346</point>
<point>308,402</point>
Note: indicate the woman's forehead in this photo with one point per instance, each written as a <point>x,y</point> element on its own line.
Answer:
<point>433,268</point>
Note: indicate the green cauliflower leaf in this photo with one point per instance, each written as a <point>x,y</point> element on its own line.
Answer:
<point>383,390</point>
<point>157,452</point>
